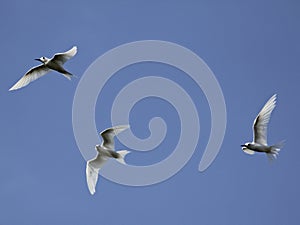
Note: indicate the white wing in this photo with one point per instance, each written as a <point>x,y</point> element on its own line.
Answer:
<point>91,178</point>
<point>33,74</point>
<point>109,134</point>
<point>61,58</point>
<point>248,151</point>
<point>92,168</point>
<point>260,124</point>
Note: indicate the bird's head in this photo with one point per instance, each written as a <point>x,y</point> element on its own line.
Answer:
<point>43,59</point>
<point>246,145</point>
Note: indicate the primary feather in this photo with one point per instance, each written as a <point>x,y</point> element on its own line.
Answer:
<point>260,124</point>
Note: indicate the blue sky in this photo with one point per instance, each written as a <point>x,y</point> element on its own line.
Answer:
<point>253,49</point>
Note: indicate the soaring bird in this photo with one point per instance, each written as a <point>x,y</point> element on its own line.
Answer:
<point>104,152</point>
<point>259,143</point>
<point>55,63</point>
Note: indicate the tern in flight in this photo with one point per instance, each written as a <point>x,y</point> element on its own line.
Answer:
<point>55,63</point>
<point>259,143</point>
<point>104,151</point>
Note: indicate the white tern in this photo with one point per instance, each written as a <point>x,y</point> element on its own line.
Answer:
<point>104,152</point>
<point>260,125</point>
<point>55,63</point>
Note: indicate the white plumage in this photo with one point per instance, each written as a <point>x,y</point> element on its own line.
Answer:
<point>104,152</point>
<point>55,63</point>
<point>260,125</point>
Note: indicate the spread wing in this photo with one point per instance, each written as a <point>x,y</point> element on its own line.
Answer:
<point>33,74</point>
<point>260,124</point>
<point>61,58</point>
<point>91,178</point>
<point>248,151</point>
<point>109,134</point>
<point>92,168</point>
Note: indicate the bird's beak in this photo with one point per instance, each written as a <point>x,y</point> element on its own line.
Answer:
<point>38,60</point>
<point>243,146</point>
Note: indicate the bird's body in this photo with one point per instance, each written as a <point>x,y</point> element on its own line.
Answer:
<point>105,151</point>
<point>259,143</point>
<point>55,63</point>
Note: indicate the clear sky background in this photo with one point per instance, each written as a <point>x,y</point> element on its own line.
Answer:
<point>253,49</point>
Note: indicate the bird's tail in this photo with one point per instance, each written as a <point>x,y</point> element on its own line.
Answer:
<point>275,150</point>
<point>68,75</point>
<point>122,155</point>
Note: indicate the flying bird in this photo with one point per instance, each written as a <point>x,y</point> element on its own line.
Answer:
<point>104,152</point>
<point>259,143</point>
<point>55,63</point>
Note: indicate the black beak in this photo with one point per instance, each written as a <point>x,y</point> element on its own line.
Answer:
<point>38,60</point>
<point>243,146</point>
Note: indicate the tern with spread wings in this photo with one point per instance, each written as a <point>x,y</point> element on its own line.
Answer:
<point>55,63</point>
<point>104,151</point>
<point>260,126</point>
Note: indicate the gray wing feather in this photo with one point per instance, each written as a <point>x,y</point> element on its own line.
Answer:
<point>33,74</point>
<point>91,178</point>
<point>92,168</point>
<point>109,134</point>
<point>61,58</point>
<point>260,124</point>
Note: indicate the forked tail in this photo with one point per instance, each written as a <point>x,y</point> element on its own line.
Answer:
<point>275,149</point>
<point>122,155</point>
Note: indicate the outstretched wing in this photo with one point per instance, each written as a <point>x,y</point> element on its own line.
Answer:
<point>61,58</point>
<point>91,178</point>
<point>260,124</point>
<point>92,168</point>
<point>109,134</point>
<point>33,74</point>
<point>248,151</point>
